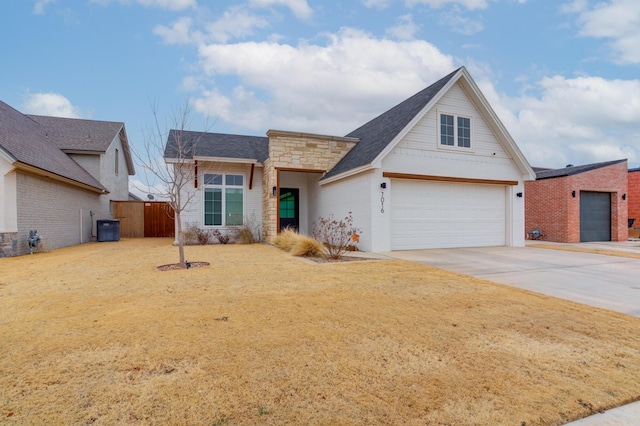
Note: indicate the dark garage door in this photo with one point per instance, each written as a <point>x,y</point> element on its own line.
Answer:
<point>595,216</point>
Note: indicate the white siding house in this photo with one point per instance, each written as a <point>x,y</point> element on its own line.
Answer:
<point>437,170</point>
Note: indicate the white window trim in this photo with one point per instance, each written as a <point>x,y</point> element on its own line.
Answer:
<point>224,196</point>
<point>455,146</point>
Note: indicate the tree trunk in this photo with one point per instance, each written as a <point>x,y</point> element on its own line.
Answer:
<point>180,239</point>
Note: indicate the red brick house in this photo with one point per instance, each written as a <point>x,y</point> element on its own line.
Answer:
<point>578,203</point>
<point>634,196</point>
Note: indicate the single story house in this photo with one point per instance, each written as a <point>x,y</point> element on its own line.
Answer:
<point>578,203</point>
<point>437,170</point>
<point>58,176</point>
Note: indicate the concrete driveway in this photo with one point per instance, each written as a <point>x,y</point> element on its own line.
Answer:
<point>608,282</point>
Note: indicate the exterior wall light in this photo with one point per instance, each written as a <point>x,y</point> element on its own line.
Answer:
<point>624,196</point>
<point>274,191</point>
<point>573,194</point>
<point>519,194</point>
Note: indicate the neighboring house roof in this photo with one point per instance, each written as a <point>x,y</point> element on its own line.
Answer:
<point>637,169</point>
<point>574,170</point>
<point>79,135</point>
<point>216,145</point>
<point>27,144</point>
<point>376,135</point>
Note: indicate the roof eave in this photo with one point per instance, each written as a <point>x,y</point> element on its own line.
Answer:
<point>396,140</point>
<point>346,174</point>
<point>53,176</point>
<point>286,133</point>
<point>496,124</point>
<point>228,160</point>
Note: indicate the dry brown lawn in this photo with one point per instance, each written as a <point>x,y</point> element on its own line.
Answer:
<point>586,249</point>
<point>94,334</point>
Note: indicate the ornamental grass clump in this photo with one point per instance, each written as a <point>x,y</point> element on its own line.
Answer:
<point>299,245</point>
<point>338,236</point>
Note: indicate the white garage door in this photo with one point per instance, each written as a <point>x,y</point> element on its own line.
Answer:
<point>442,214</point>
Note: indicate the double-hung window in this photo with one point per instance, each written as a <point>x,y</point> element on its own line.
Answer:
<point>223,199</point>
<point>455,131</point>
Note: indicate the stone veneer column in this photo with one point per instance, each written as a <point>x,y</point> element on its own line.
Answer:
<point>8,244</point>
<point>293,151</point>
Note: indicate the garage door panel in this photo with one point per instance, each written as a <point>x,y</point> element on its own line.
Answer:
<point>595,216</point>
<point>442,214</point>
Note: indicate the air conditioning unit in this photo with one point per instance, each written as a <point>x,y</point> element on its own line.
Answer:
<point>108,230</point>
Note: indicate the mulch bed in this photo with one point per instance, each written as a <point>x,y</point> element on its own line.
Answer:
<point>176,266</point>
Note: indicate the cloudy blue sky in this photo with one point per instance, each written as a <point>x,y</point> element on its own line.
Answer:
<point>562,75</point>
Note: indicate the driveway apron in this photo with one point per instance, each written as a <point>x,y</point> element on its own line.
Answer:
<point>608,282</point>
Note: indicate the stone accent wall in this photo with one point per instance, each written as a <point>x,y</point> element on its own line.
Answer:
<point>297,151</point>
<point>8,244</point>
<point>550,206</point>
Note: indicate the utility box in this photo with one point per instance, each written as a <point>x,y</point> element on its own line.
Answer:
<point>108,230</point>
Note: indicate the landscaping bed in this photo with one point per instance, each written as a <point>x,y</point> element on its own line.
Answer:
<point>95,334</point>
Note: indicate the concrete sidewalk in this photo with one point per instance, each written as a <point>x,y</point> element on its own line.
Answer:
<point>603,281</point>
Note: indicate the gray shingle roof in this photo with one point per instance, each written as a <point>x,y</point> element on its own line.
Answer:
<point>26,141</point>
<point>573,170</point>
<point>378,133</point>
<point>78,134</point>
<point>200,144</point>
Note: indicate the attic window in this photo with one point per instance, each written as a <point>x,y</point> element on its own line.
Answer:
<point>117,161</point>
<point>454,131</point>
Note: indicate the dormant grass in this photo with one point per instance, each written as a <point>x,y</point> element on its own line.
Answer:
<point>95,334</point>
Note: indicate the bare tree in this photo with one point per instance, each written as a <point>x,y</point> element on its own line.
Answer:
<point>167,160</point>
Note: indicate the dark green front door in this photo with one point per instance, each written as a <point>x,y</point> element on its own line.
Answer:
<point>289,208</point>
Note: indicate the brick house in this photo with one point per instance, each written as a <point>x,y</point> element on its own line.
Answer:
<point>634,196</point>
<point>58,176</point>
<point>437,170</point>
<point>578,203</point>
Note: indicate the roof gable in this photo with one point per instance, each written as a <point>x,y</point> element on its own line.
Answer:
<point>78,135</point>
<point>378,133</point>
<point>26,141</point>
<point>216,145</point>
<point>573,170</point>
<point>379,136</point>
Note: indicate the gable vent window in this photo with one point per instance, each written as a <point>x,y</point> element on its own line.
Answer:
<point>117,161</point>
<point>455,131</point>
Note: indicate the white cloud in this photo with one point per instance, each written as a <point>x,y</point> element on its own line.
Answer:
<point>300,8</point>
<point>329,88</point>
<point>578,120</point>
<point>178,33</point>
<point>405,29</point>
<point>162,4</point>
<point>377,4</point>
<point>38,7</point>
<point>617,21</point>
<point>52,104</point>
<point>235,23</point>
<point>459,23</point>
<point>469,4</point>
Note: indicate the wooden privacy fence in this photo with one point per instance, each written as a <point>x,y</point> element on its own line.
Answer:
<point>144,219</point>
